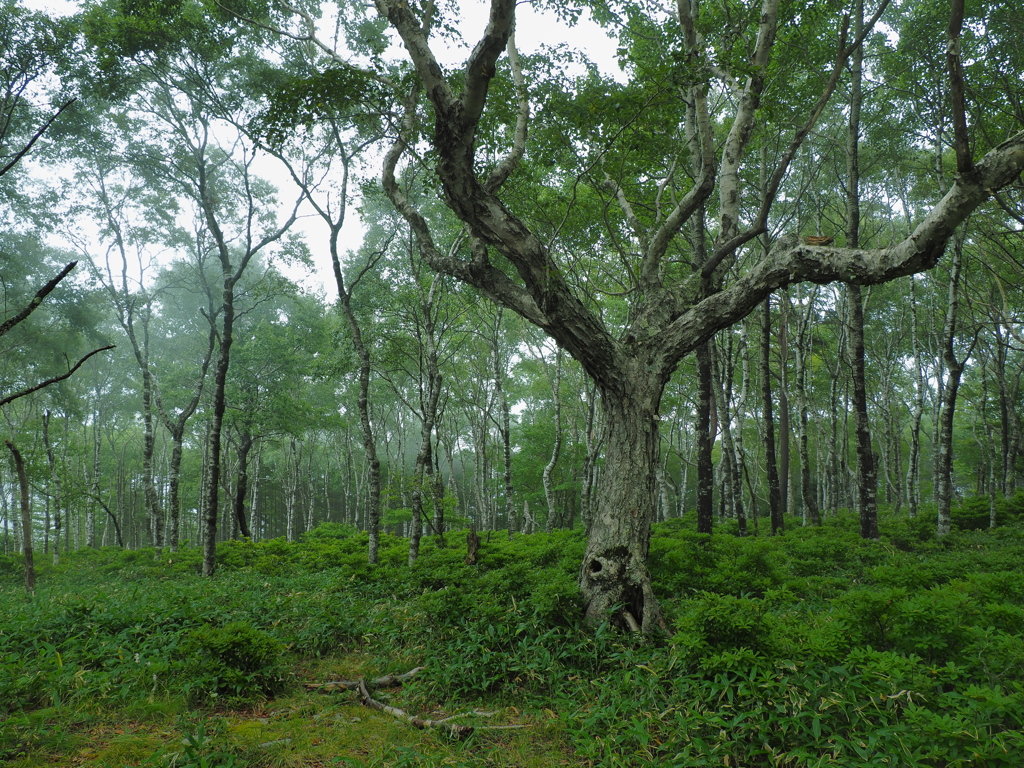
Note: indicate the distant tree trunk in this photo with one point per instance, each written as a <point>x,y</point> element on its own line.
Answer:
<point>774,502</point>
<point>740,462</point>
<point>437,490</point>
<point>372,514</point>
<point>593,442</point>
<point>504,424</point>
<point>803,344</point>
<point>954,371</point>
<point>26,518</point>
<point>134,311</point>
<point>786,501</point>
<point>58,496</point>
<point>204,479</point>
<point>245,443</point>
<point>430,393</point>
<point>217,424</point>
<point>90,514</point>
<point>1007,415</point>
<point>834,466</point>
<point>556,449</point>
<point>176,427</point>
<point>732,480</point>
<point>705,440</point>
<point>174,490</point>
<point>291,489</point>
<point>255,518</point>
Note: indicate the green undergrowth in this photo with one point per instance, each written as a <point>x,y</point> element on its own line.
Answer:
<point>812,648</point>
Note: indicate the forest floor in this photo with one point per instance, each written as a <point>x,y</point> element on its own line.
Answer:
<point>814,648</point>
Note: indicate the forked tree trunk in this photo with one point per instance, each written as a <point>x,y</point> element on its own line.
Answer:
<point>614,576</point>
<point>631,369</point>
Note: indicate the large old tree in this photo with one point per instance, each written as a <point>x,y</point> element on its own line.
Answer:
<point>689,233</point>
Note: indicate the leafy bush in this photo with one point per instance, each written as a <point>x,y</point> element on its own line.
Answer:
<point>236,660</point>
<point>974,514</point>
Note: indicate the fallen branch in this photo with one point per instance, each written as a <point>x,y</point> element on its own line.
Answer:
<point>388,681</point>
<point>456,730</point>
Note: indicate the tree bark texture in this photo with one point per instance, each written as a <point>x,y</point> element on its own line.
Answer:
<point>613,576</point>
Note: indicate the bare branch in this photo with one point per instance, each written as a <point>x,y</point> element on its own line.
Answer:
<point>35,137</point>
<point>54,379</point>
<point>33,305</point>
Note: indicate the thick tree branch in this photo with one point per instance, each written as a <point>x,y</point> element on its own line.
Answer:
<point>401,17</point>
<point>480,66</point>
<point>918,252</point>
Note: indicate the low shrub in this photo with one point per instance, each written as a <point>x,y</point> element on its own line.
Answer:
<point>236,660</point>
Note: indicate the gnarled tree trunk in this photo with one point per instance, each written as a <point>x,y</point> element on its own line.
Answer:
<point>614,571</point>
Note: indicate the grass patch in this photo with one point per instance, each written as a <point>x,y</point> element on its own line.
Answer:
<point>811,648</point>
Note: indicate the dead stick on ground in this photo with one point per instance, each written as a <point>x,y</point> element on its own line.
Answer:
<point>456,730</point>
<point>388,681</point>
